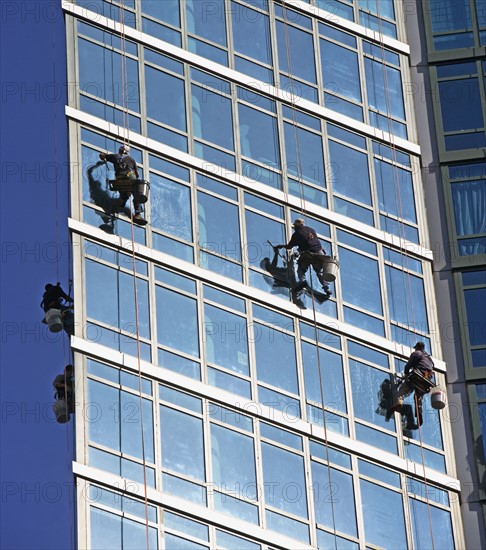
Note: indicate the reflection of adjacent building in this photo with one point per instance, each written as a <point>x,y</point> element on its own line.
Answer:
<point>224,431</point>
<point>451,109</point>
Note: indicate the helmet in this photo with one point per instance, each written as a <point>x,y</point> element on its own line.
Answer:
<point>124,150</point>
<point>298,221</point>
<point>419,345</point>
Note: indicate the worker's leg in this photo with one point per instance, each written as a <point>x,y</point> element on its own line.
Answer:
<point>404,390</point>
<point>319,270</point>
<point>301,271</point>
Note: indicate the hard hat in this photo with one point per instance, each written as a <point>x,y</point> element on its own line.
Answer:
<point>298,221</point>
<point>124,149</point>
<point>419,345</point>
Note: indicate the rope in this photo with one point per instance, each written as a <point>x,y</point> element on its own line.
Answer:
<point>398,199</point>
<point>304,215</point>
<point>126,141</point>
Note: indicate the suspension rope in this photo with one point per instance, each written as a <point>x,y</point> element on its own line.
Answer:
<point>304,215</point>
<point>398,199</point>
<point>126,141</point>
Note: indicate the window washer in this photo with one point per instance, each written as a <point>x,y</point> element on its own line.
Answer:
<point>418,376</point>
<point>63,386</point>
<point>305,238</point>
<point>126,169</point>
<point>53,298</point>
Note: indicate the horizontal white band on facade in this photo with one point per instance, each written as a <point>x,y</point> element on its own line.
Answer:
<point>182,506</point>
<point>244,182</point>
<point>258,410</point>
<point>194,271</point>
<point>244,80</point>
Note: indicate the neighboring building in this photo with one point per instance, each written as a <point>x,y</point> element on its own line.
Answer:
<point>199,419</point>
<point>448,74</point>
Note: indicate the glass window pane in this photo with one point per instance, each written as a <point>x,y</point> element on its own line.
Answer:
<point>384,86</point>
<point>165,98</point>
<point>305,158</point>
<point>441,526</point>
<point>106,529</point>
<point>340,71</point>
<point>460,102</point>
<point>259,136</point>
<point>383,508</point>
<point>233,462</point>
<point>332,377</point>
<point>358,273</point>
<point>395,190</point>
<point>248,22</point>
<point>177,324</point>
<point>296,52</point>
<point>475,300</point>
<point>275,358</point>
<point>167,11</point>
<point>259,229</point>
<point>219,226</point>
<point>171,207</point>
<point>284,484</point>
<point>345,164</point>
<point>469,199</point>
<point>226,339</point>
<point>333,498</point>
<point>182,443</point>
<point>212,117</point>
<point>207,20</point>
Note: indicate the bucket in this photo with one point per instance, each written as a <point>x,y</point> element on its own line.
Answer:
<point>438,398</point>
<point>141,190</point>
<point>61,410</point>
<point>54,320</point>
<point>330,267</point>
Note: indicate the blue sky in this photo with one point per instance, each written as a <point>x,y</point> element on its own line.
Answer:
<point>36,453</point>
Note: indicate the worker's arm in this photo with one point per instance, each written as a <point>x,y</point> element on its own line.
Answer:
<point>290,244</point>
<point>413,361</point>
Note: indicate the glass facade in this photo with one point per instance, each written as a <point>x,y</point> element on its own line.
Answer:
<point>248,422</point>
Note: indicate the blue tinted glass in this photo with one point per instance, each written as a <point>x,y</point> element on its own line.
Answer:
<point>168,137</point>
<point>207,20</point>
<point>426,518</point>
<point>471,278</point>
<point>333,495</point>
<point>471,140</point>
<point>182,443</point>
<point>165,98</point>
<point>457,69</point>
<point>169,168</point>
<point>450,15</point>
<point>382,508</point>
<point>254,70</point>
<point>382,8</point>
<point>345,135</point>
<point>364,321</point>
<point>178,330</point>
<point>173,279</point>
<point>402,260</point>
<point>379,473</point>
<point>171,207</point>
<point>384,85</point>
<point>161,31</point>
<point>475,300</point>
<point>164,61</point>
<point>399,229</point>
<point>228,382</point>
<point>301,118</point>
<point>460,102</point>
<point>233,462</point>
<point>324,337</point>
<point>224,298</point>
<point>406,298</point>
<point>469,199</point>
<point>392,154</point>
<point>283,469</point>
<point>248,22</point>
<point>217,187</point>
<point>359,272</point>
<point>291,86</point>
<point>328,540</point>
<point>334,422</point>
<point>226,339</point>
<point>106,529</point>
<point>378,51</point>
<point>258,136</point>
<point>273,317</point>
<point>171,541</point>
<point>231,542</point>
<point>206,50</point>
<point>378,24</point>
<point>340,71</point>
<point>218,229</point>
<point>366,383</point>
<point>235,507</point>
<point>315,196</point>
<point>478,358</point>
<point>287,526</point>
<point>281,436</point>
<point>337,35</point>
<point>296,52</point>
<point>117,341</point>
<point>356,242</point>
<point>214,156</point>
<point>305,158</point>
<point>331,377</point>
<point>179,364</point>
<point>456,40</point>
<point>184,489</point>
<point>268,207</point>
<point>345,164</point>
<point>210,81</point>
<point>275,358</point>
<point>337,8</point>
<point>334,456</point>
<point>368,354</point>
<point>395,190</point>
<point>353,211</point>
<point>259,173</point>
<point>432,460</point>
<point>219,265</point>
<point>212,117</point>
<point>259,229</point>
<point>342,106</point>
<point>181,399</point>
<point>172,247</point>
<point>187,526</point>
<point>291,16</point>
<point>167,11</point>
<point>279,402</point>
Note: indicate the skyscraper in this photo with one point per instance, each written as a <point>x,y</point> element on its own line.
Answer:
<point>212,410</point>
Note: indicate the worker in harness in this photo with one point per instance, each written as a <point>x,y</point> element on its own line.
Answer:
<point>126,169</point>
<point>63,387</point>
<point>419,363</point>
<point>53,298</point>
<point>305,238</point>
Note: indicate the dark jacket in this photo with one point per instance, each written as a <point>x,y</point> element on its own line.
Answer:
<point>306,239</point>
<point>53,297</point>
<point>419,360</point>
<point>124,164</point>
